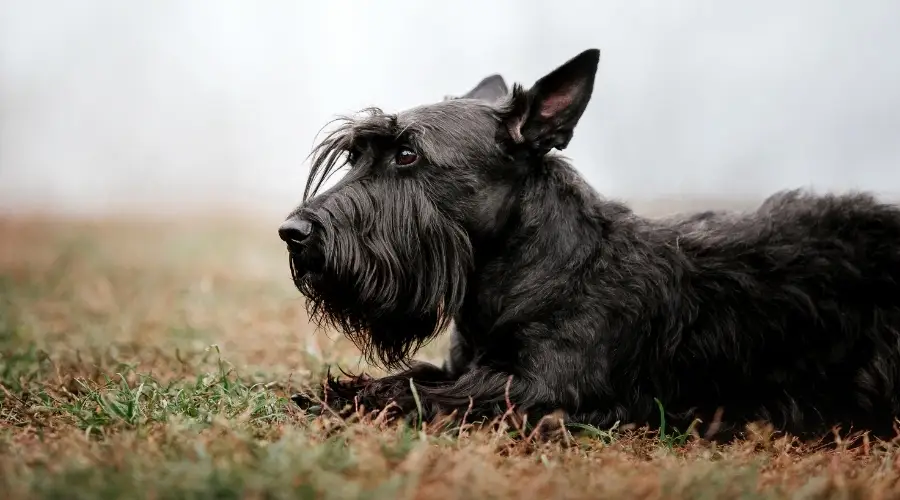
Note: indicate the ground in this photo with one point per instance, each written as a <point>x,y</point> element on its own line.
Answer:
<point>144,358</point>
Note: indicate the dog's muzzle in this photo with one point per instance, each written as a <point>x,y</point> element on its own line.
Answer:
<point>298,233</point>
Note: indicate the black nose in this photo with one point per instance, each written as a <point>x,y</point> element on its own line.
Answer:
<point>295,231</point>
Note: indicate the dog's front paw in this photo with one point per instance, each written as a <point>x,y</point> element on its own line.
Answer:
<point>342,395</point>
<point>308,403</point>
<point>388,397</point>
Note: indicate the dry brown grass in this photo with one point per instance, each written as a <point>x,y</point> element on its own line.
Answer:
<point>151,359</point>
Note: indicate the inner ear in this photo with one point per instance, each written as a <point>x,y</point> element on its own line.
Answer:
<point>554,105</point>
<point>545,116</point>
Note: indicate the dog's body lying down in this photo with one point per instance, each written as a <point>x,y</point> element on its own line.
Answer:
<point>562,300</point>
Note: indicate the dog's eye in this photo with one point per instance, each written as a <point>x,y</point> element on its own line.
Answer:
<point>405,157</point>
<point>352,156</point>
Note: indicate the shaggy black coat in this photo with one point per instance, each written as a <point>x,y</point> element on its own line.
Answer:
<point>561,300</point>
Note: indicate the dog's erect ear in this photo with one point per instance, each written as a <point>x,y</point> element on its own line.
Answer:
<point>544,116</point>
<point>490,89</point>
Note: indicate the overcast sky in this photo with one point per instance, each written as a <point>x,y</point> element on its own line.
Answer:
<point>104,103</point>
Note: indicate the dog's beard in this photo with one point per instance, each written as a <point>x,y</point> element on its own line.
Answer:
<point>392,275</point>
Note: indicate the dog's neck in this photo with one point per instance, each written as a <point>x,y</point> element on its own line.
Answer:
<point>556,213</point>
<point>552,224</point>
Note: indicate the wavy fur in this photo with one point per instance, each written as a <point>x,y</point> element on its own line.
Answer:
<point>563,300</point>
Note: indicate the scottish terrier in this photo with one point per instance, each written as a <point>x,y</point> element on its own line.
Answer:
<point>460,214</point>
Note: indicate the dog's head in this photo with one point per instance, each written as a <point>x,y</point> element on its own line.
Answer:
<point>384,254</point>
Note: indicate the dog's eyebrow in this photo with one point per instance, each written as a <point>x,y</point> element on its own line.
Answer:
<point>375,125</point>
<point>408,132</point>
<point>411,138</point>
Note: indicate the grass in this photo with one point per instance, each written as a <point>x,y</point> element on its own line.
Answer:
<point>154,359</point>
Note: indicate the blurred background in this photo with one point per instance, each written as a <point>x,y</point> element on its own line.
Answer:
<point>179,108</point>
<point>173,106</point>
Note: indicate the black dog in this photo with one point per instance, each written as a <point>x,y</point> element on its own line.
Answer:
<point>560,300</point>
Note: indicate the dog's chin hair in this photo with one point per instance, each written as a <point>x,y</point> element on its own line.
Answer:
<point>389,305</point>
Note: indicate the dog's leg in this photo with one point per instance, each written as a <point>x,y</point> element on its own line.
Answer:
<point>460,356</point>
<point>352,391</point>
<point>374,394</point>
<point>479,393</point>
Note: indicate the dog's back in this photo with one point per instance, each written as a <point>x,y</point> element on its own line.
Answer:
<point>795,307</point>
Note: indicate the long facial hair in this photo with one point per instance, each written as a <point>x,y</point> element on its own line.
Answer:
<point>393,267</point>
